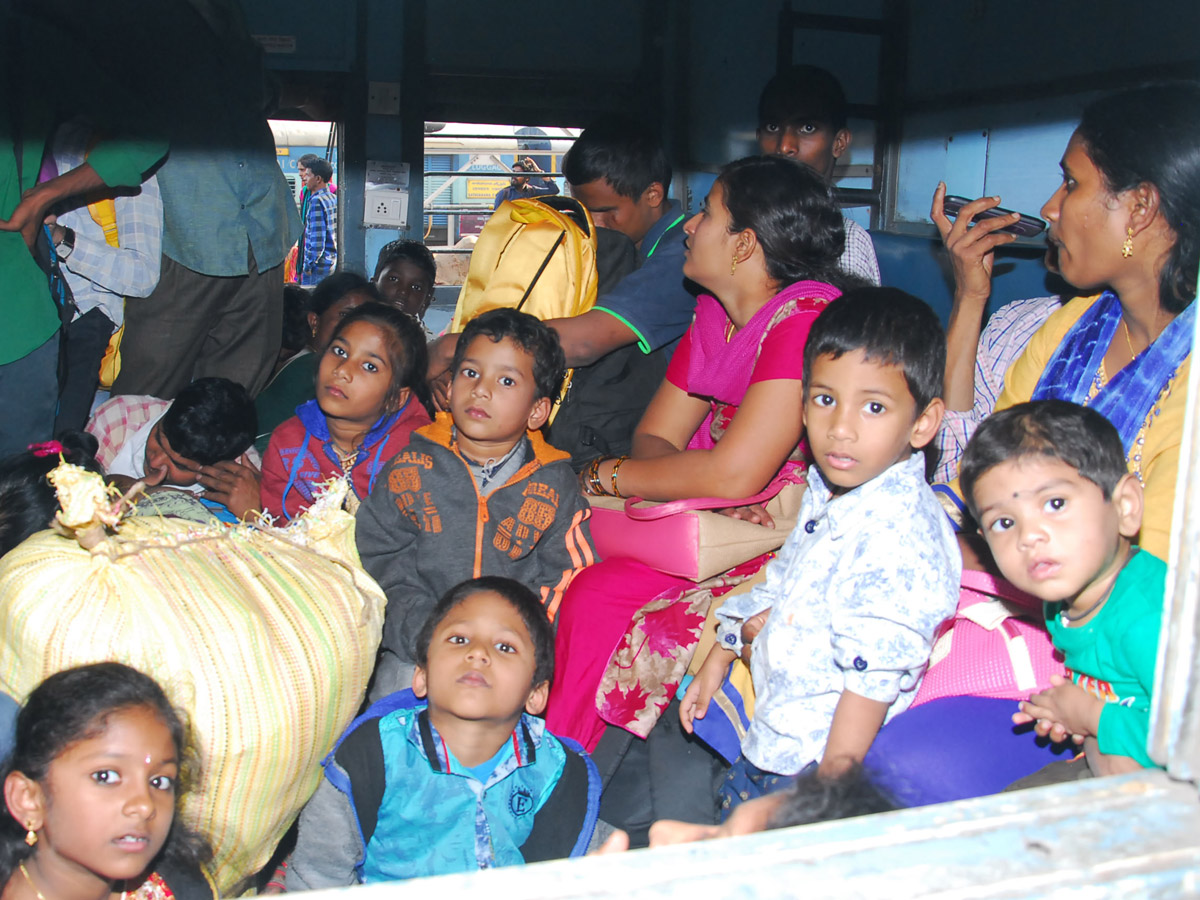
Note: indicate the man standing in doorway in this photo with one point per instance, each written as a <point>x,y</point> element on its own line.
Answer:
<point>320,225</point>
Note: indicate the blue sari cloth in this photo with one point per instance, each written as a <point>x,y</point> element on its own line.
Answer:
<point>1128,398</point>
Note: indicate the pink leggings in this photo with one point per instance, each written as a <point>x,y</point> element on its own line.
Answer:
<point>593,617</point>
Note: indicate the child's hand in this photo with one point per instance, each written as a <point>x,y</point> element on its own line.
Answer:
<point>1064,709</point>
<point>617,842</point>
<point>755,512</point>
<point>439,388</point>
<point>439,374</point>
<point>235,483</point>
<point>751,629</point>
<point>707,682</point>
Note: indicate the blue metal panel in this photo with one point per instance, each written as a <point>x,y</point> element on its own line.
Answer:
<point>985,44</point>
<point>1116,837</point>
<point>936,149</point>
<point>311,35</point>
<point>1023,157</point>
<point>1011,150</point>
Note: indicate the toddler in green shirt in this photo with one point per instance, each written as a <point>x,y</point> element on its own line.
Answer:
<point>1047,483</point>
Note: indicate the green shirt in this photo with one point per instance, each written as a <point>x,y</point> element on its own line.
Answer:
<point>31,108</point>
<point>294,385</point>
<point>1112,657</point>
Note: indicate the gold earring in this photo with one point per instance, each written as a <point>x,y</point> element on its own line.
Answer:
<point>30,835</point>
<point>733,265</point>
<point>1127,247</point>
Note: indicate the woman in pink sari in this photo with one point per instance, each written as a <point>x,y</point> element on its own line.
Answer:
<point>726,420</point>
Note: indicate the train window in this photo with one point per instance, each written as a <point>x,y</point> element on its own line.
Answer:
<point>467,166</point>
<point>293,139</point>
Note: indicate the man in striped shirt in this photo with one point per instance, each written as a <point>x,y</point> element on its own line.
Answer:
<point>320,225</point>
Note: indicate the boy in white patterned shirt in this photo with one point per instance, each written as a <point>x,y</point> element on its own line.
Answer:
<point>871,569</point>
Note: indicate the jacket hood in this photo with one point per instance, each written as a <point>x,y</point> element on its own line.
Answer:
<point>314,423</point>
<point>441,432</point>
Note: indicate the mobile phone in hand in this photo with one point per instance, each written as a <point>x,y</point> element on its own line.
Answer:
<point>1026,226</point>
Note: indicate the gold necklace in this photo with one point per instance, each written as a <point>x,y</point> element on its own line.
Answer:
<point>1128,339</point>
<point>345,460</point>
<point>40,895</point>
<point>30,880</point>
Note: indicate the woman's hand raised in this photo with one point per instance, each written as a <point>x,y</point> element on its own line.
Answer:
<point>971,244</point>
<point>971,249</point>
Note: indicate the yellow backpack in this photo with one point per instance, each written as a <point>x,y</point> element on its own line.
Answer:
<point>538,256</point>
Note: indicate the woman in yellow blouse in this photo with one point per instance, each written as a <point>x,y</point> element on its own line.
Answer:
<point>1125,222</point>
<point>1125,228</point>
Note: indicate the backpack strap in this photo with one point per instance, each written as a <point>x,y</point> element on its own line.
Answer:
<point>104,214</point>
<point>997,617</point>
<point>360,750</point>
<point>993,603</point>
<point>542,268</point>
<point>986,583</point>
<point>565,823</point>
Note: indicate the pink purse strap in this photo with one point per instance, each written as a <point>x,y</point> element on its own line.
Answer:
<point>986,583</point>
<point>671,507</point>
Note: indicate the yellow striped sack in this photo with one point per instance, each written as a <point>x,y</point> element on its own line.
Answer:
<point>265,644</point>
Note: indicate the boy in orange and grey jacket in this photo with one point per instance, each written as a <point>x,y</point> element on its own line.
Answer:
<point>478,492</point>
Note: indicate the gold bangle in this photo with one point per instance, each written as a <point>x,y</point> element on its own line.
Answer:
<point>593,478</point>
<point>613,477</point>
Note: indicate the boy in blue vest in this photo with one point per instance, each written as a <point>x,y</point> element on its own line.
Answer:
<point>1048,484</point>
<point>458,773</point>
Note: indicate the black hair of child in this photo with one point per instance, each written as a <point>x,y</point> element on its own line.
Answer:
<point>74,705</point>
<point>803,94</point>
<point>820,798</point>
<point>332,288</point>
<point>296,331</point>
<point>322,168</point>
<point>406,346</point>
<point>1057,429</point>
<point>211,419</point>
<point>791,210</point>
<point>891,327</point>
<point>528,333</point>
<point>623,151</point>
<point>521,598</point>
<point>28,501</point>
<point>413,251</point>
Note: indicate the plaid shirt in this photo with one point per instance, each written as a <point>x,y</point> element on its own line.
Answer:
<point>1002,342</point>
<point>320,250</point>
<point>119,419</point>
<point>859,256</point>
<point>99,274</point>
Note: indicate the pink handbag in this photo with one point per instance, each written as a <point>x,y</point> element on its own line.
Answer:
<point>682,538</point>
<point>995,645</point>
